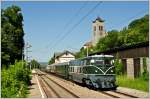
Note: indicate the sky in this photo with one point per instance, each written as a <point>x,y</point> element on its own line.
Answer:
<point>55,26</point>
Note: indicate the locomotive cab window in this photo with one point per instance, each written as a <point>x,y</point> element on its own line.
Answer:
<point>109,61</point>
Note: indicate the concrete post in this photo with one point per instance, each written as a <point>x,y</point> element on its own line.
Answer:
<point>141,65</point>
<point>130,68</point>
<point>147,62</point>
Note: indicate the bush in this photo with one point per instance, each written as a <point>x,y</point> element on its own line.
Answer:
<point>145,74</point>
<point>118,67</point>
<point>15,80</point>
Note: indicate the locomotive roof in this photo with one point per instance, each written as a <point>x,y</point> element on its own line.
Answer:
<point>101,56</point>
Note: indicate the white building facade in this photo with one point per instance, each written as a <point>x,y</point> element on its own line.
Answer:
<point>65,56</point>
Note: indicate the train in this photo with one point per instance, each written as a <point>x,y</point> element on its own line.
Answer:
<point>97,71</point>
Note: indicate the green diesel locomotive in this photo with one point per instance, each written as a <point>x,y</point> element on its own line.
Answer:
<point>97,71</point>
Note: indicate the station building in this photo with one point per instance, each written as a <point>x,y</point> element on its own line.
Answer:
<point>65,56</point>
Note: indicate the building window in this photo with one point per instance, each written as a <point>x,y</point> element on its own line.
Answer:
<point>101,28</point>
<point>94,28</point>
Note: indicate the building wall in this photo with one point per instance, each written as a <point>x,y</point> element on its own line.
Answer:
<point>65,58</point>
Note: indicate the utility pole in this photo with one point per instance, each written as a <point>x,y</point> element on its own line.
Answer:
<point>27,47</point>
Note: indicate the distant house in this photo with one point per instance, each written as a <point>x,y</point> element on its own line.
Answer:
<point>63,56</point>
<point>87,45</point>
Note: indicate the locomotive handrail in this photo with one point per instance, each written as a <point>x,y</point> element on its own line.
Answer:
<point>109,69</point>
<point>97,68</point>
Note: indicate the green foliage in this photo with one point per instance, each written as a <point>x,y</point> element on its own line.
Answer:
<point>51,61</point>
<point>12,33</point>
<point>108,42</point>
<point>34,64</point>
<point>15,80</point>
<point>145,74</point>
<point>82,53</point>
<point>136,83</point>
<point>118,67</point>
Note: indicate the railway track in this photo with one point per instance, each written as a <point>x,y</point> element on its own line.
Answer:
<point>113,94</point>
<point>45,89</point>
<point>126,94</point>
<point>56,88</point>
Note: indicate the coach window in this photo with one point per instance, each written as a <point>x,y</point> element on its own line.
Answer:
<point>80,70</point>
<point>77,70</point>
<point>70,69</point>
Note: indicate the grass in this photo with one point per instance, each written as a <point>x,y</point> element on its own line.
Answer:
<point>137,83</point>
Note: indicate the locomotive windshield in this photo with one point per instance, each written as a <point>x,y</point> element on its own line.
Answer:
<point>108,61</point>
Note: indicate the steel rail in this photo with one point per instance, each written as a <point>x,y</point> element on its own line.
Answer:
<point>51,88</point>
<point>47,93</point>
<point>126,94</point>
<point>111,95</point>
<point>73,94</point>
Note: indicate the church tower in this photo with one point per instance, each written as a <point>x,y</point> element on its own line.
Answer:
<point>98,30</point>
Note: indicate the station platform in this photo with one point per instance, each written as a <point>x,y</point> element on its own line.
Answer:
<point>34,89</point>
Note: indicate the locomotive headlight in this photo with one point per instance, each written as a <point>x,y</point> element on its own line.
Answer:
<point>111,71</point>
<point>96,71</point>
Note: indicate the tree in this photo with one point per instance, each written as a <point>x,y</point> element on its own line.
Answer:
<point>34,64</point>
<point>12,42</point>
<point>82,53</point>
<point>51,61</point>
<point>108,42</point>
